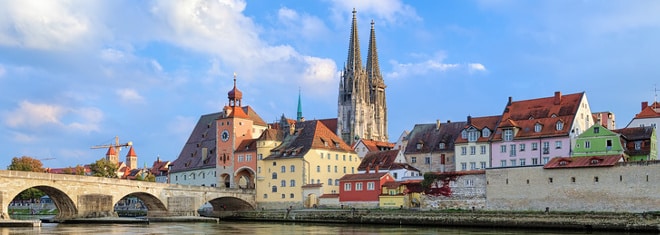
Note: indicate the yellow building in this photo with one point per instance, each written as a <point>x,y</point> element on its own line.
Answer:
<point>307,164</point>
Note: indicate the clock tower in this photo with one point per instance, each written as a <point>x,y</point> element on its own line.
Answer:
<point>233,127</point>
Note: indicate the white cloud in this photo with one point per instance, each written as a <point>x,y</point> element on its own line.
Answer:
<point>430,65</point>
<point>156,66</point>
<point>33,116</point>
<point>129,95</point>
<point>390,10</point>
<point>49,25</point>
<point>3,71</point>
<point>301,25</point>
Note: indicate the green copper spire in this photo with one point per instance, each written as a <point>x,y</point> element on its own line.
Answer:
<point>300,117</point>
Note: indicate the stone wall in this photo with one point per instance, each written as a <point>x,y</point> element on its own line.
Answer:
<point>466,192</point>
<point>627,187</point>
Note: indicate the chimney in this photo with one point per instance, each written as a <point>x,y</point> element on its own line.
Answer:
<point>437,124</point>
<point>469,120</point>
<point>509,103</point>
<point>644,105</point>
<point>557,98</point>
<point>292,129</point>
<point>368,168</point>
<point>376,169</point>
<point>448,121</point>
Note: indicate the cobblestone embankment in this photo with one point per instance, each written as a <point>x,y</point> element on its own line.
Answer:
<point>528,220</point>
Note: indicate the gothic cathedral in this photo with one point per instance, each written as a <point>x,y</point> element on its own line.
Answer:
<point>362,112</point>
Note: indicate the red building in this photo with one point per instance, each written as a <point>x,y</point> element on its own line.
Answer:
<point>362,190</point>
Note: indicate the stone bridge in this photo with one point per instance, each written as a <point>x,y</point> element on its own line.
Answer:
<point>88,197</point>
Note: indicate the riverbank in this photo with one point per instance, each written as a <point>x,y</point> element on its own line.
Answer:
<point>580,221</point>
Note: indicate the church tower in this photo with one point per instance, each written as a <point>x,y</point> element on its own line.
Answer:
<point>362,111</point>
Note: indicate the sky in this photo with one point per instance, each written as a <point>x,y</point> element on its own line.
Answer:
<point>75,74</point>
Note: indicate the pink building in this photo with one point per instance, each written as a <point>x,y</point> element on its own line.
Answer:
<point>531,132</point>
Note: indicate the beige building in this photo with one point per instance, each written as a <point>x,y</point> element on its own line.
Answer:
<point>307,164</point>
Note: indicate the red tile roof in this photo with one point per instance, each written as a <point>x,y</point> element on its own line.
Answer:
<point>308,135</point>
<point>480,123</point>
<point>131,152</point>
<point>589,161</point>
<point>374,145</point>
<point>384,160</point>
<point>525,114</point>
<point>111,151</point>
<point>248,145</point>
<point>650,111</point>
<point>365,176</point>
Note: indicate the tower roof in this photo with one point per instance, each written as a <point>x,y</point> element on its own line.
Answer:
<point>354,61</point>
<point>373,68</point>
<point>235,94</point>
<point>131,152</point>
<point>111,151</point>
<point>299,107</point>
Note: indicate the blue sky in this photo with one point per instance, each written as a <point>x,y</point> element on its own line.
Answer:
<point>74,74</point>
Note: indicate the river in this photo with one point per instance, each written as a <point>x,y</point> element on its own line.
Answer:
<point>252,228</point>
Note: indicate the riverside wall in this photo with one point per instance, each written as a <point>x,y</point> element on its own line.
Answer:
<point>648,222</point>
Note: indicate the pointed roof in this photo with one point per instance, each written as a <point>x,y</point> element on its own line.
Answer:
<point>307,136</point>
<point>354,61</point>
<point>374,145</point>
<point>299,107</point>
<point>373,69</point>
<point>235,94</point>
<point>111,151</point>
<point>649,111</point>
<point>431,135</point>
<point>131,152</point>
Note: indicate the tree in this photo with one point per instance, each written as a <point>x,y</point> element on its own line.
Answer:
<point>104,168</point>
<point>26,163</point>
<point>78,170</point>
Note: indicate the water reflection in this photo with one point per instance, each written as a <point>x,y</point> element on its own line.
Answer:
<point>248,228</point>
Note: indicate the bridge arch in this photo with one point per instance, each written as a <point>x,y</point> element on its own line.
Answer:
<point>245,178</point>
<point>65,205</point>
<point>230,204</point>
<point>155,206</point>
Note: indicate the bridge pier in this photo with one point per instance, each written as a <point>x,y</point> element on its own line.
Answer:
<point>182,206</point>
<point>95,206</point>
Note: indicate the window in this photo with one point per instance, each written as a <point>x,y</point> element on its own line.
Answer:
<point>291,195</point>
<point>292,183</point>
<point>371,186</point>
<point>559,126</point>
<point>535,161</point>
<point>329,181</point>
<point>240,158</point>
<point>283,169</point>
<point>463,166</point>
<point>638,145</point>
<point>337,157</point>
<point>508,135</point>
<point>321,155</point>
<point>441,145</point>
<point>535,146</point>
<point>274,188</point>
<point>608,145</point>
<point>473,165</point>
<point>522,162</point>
<point>483,149</point>
<point>344,170</point>
<point>336,183</point>
<point>283,183</point>
<point>596,179</point>
<point>572,179</point>
<point>558,144</point>
<point>537,127</point>
<point>463,150</point>
<point>427,160</point>
<point>596,130</point>
<point>248,157</point>
<point>546,147</point>
<point>483,165</point>
<point>328,168</point>
<point>336,169</point>
<point>265,195</point>
<point>413,159</point>
<point>274,163</point>
<point>274,175</point>
<point>318,168</point>
<point>473,135</point>
<point>464,134</point>
<point>419,146</point>
<point>550,180</point>
<point>283,195</point>
<point>260,156</point>
<point>352,170</point>
<point>293,168</point>
<point>469,182</point>
<point>358,186</point>
<point>473,150</point>
<point>343,157</point>
<point>513,162</point>
<point>513,150</point>
<point>546,160</point>
<point>522,147</point>
<point>503,148</point>
<point>587,144</point>
<point>486,132</point>
<point>503,163</point>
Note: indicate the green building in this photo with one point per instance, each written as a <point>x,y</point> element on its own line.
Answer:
<point>634,143</point>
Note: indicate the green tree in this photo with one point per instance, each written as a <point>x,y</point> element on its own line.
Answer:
<point>78,170</point>
<point>26,163</point>
<point>31,193</point>
<point>104,168</point>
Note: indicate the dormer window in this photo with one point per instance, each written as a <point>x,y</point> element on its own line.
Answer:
<point>464,134</point>
<point>419,146</point>
<point>538,127</point>
<point>594,161</point>
<point>485,132</point>
<point>507,135</point>
<point>473,135</point>
<point>441,145</point>
<point>563,163</point>
<point>553,115</point>
<point>560,125</point>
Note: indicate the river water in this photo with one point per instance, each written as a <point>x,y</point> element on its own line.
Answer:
<point>253,228</point>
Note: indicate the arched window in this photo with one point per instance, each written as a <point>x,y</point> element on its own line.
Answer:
<point>274,188</point>
<point>274,175</point>
<point>560,125</point>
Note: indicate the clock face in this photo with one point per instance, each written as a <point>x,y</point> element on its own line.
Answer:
<point>224,135</point>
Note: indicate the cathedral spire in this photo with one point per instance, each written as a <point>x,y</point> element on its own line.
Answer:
<point>373,69</point>
<point>354,61</point>
<point>299,117</point>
